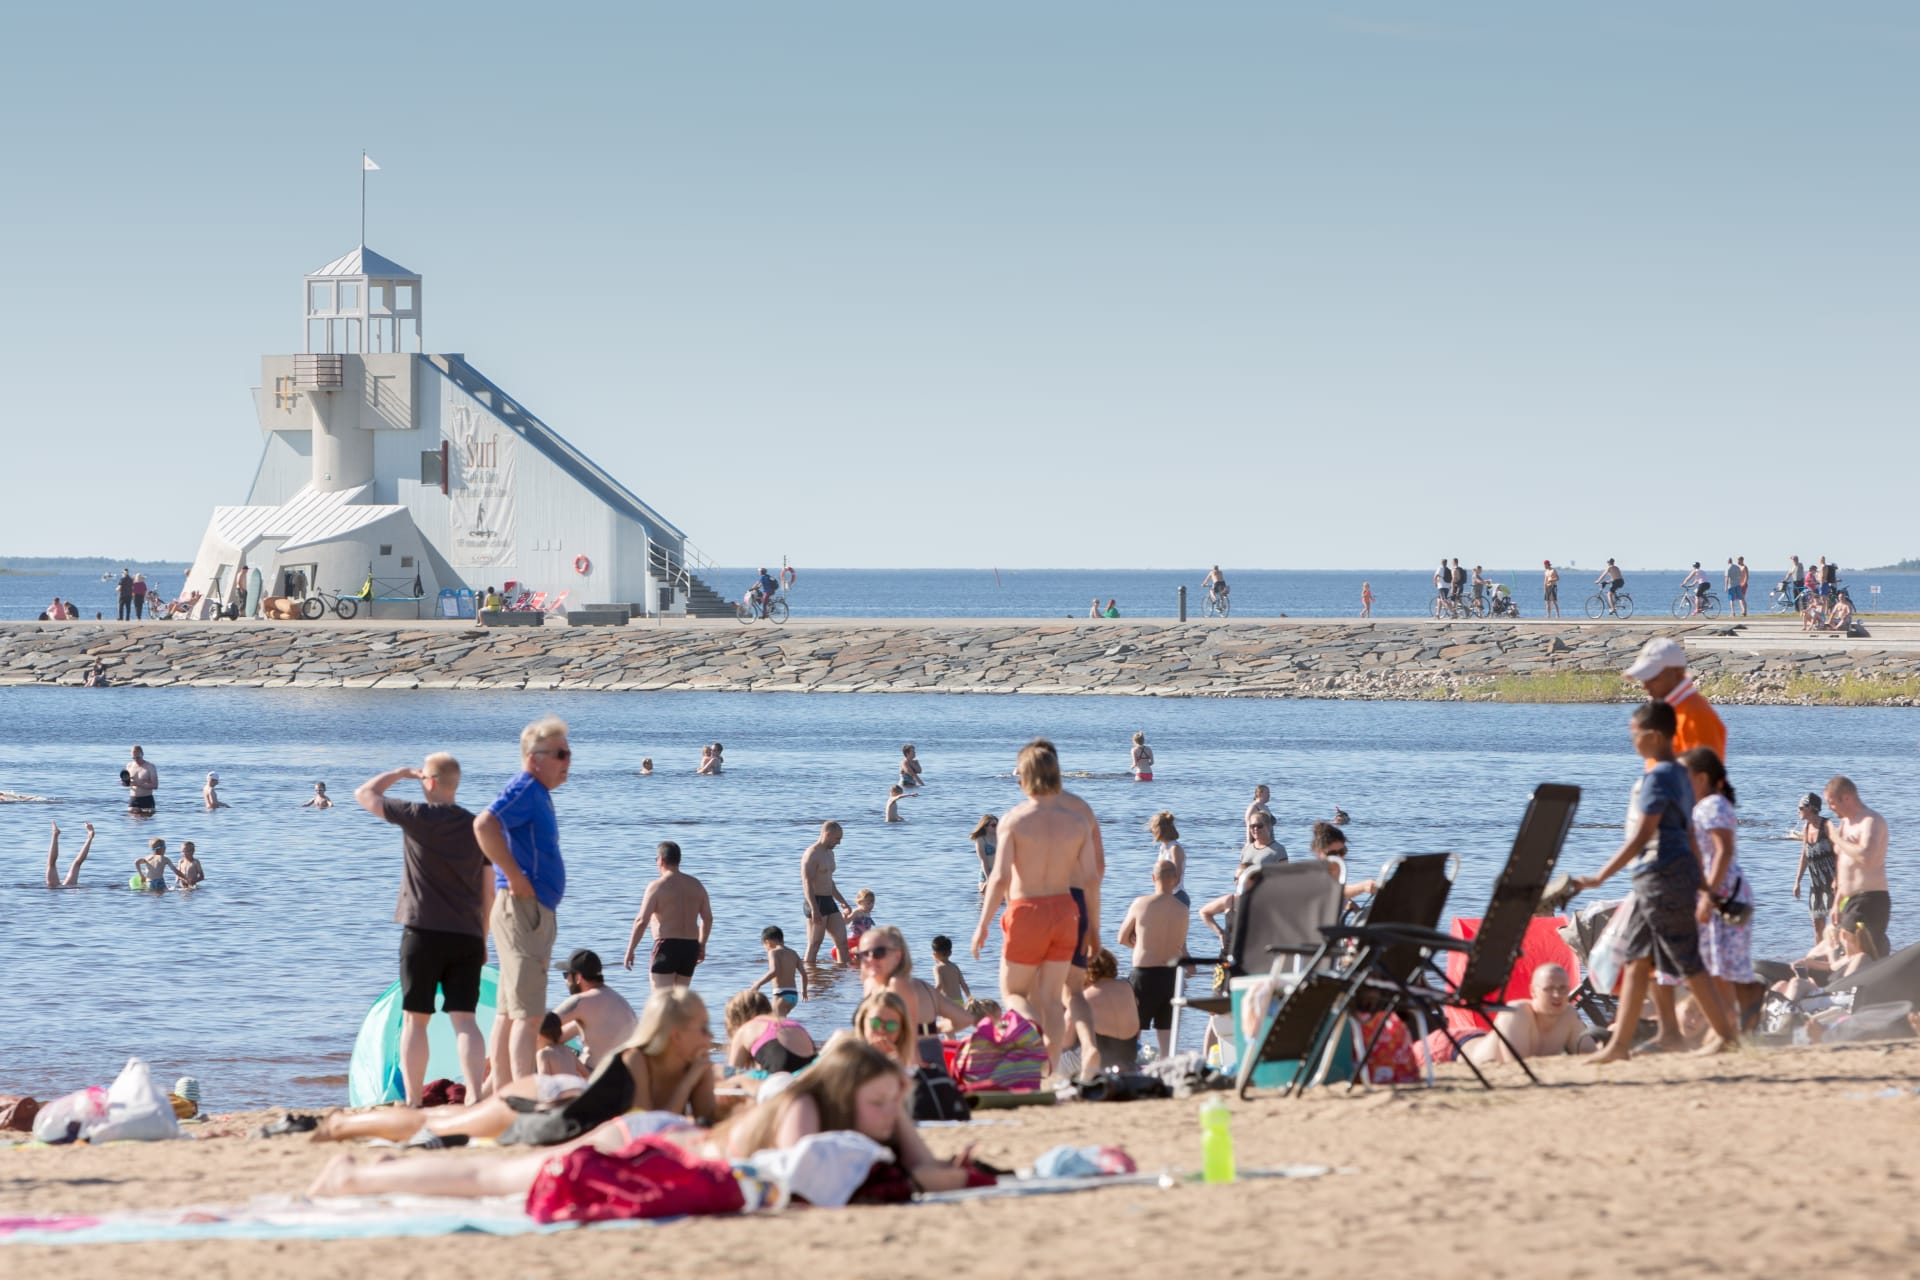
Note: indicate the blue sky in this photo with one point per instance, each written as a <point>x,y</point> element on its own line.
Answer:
<point>1118,284</point>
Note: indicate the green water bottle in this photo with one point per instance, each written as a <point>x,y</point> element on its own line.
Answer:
<point>1216,1141</point>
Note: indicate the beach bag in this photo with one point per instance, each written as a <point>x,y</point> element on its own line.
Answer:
<point>649,1177</point>
<point>67,1119</point>
<point>1609,955</point>
<point>1393,1060</point>
<point>17,1113</point>
<point>1005,1054</point>
<point>138,1110</point>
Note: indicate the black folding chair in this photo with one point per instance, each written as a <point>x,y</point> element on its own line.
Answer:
<point>1277,910</point>
<point>1353,961</point>
<point>1492,952</point>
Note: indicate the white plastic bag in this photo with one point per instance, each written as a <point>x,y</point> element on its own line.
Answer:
<point>66,1119</point>
<point>137,1111</point>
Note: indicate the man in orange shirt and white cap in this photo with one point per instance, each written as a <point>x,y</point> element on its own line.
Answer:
<point>1662,669</point>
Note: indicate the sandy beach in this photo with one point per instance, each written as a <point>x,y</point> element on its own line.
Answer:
<point>1772,1163</point>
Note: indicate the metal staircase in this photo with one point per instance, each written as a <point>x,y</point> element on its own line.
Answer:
<point>702,600</point>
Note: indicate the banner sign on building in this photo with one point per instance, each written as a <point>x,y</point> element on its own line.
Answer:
<point>481,493</point>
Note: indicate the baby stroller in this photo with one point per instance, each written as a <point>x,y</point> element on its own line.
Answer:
<point>1581,932</point>
<point>1502,603</point>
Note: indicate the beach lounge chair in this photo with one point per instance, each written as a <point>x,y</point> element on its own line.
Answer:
<point>1277,911</point>
<point>1493,950</point>
<point>1355,962</point>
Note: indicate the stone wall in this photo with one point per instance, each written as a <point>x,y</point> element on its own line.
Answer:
<point>1262,659</point>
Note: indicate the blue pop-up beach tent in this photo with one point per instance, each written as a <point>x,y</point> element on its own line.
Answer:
<point>373,1077</point>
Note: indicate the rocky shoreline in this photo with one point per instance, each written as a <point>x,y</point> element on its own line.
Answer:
<point>1379,659</point>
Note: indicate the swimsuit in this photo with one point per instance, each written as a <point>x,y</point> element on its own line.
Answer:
<point>1117,1052</point>
<point>824,906</point>
<point>1154,986</point>
<point>1869,907</point>
<point>676,956</point>
<point>771,1056</point>
<point>791,995</point>
<point>1080,957</point>
<point>1041,930</point>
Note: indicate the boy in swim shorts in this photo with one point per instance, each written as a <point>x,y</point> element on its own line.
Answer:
<point>784,971</point>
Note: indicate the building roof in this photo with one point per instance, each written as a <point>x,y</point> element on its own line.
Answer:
<point>309,516</point>
<point>364,262</point>
<point>554,446</point>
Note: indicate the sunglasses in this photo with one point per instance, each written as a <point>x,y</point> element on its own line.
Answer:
<point>885,1026</point>
<point>558,753</point>
<point>873,953</point>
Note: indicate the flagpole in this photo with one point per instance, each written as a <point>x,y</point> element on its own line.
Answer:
<point>363,198</point>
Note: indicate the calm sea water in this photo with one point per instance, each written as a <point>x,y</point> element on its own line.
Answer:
<point>1049,593</point>
<point>257,982</point>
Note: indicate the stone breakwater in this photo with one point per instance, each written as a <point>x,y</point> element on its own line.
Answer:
<point>1252,659</point>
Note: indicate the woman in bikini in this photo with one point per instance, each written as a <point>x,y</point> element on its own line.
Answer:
<point>1142,760</point>
<point>664,1067</point>
<point>759,1037</point>
<point>1817,863</point>
<point>885,965</point>
<point>910,775</point>
<point>852,1087</point>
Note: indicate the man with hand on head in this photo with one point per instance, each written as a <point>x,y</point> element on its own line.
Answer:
<point>520,835</point>
<point>445,894</point>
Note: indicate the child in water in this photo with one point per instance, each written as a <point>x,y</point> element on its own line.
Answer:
<point>895,794</point>
<point>151,871</point>
<point>319,799</point>
<point>784,971</point>
<point>862,918</point>
<point>188,872</point>
<point>947,978</point>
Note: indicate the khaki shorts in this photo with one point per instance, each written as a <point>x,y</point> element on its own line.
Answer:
<point>523,933</point>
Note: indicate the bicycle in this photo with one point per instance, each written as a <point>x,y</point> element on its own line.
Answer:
<point>1597,606</point>
<point>1215,604</point>
<point>1683,604</point>
<point>1781,600</point>
<point>320,601</point>
<point>774,610</point>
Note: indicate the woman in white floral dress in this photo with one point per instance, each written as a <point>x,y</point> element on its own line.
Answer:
<point>1725,909</point>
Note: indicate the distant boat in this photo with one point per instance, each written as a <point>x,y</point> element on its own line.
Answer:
<point>108,576</point>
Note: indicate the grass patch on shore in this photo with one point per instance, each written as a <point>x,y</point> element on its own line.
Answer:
<point>1560,686</point>
<point>1853,690</point>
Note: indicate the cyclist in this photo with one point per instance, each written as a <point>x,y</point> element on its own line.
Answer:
<point>1215,585</point>
<point>1698,581</point>
<point>1480,585</point>
<point>762,591</point>
<point>1611,581</point>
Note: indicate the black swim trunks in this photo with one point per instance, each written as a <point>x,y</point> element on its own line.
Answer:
<point>676,956</point>
<point>433,959</point>
<point>1872,908</point>
<point>1080,956</point>
<point>1153,990</point>
<point>824,906</point>
<point>140,804</point>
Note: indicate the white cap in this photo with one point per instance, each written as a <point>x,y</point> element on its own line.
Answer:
<point>1657,655</point>
<point>213,777</point>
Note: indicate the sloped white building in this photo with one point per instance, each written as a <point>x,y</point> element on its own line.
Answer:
<point>415,470</point>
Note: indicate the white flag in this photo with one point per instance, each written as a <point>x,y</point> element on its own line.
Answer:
<point>366,161</point>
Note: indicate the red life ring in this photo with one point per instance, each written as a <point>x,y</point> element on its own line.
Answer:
<point>581,564</point>
<point>787,576</point>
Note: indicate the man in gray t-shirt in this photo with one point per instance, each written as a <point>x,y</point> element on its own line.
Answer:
<point>445,893</point>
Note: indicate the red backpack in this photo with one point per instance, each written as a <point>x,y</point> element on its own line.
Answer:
<point>650,1177</point>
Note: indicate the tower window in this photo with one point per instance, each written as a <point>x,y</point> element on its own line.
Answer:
<point>349,297</point>
<point>386,548</point>
<point>430,473</point>
<point>406,562</point>
<point>319,298</point>
<point>403,297</point>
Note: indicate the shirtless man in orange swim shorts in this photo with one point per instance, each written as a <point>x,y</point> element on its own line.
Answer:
<point>1048,843</point>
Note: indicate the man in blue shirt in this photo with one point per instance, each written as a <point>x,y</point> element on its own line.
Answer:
<point>1669,900</point>
<point>520,835</point>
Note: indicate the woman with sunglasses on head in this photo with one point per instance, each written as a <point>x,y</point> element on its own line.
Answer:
<point>885,965</point>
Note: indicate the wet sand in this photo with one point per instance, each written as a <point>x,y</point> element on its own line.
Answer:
<point>1757,1164</point>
